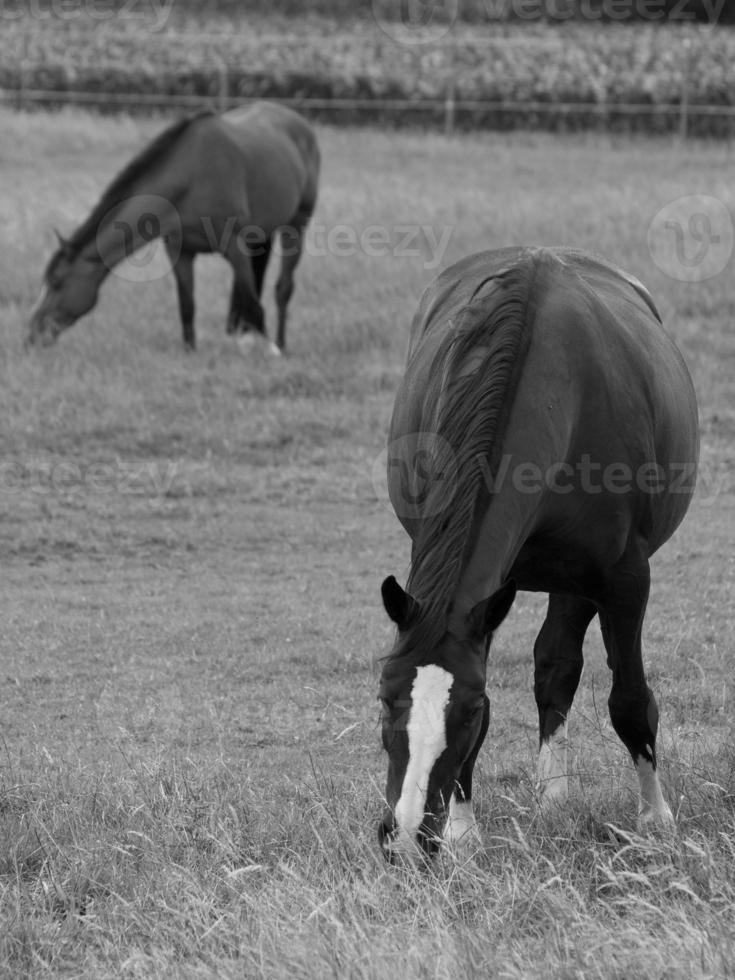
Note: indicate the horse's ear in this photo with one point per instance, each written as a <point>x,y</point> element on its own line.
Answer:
<point>63,242</point>
<point>399,605</point>
<point>487,615</point>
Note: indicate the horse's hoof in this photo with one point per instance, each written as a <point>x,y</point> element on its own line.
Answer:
<point>246,342</point>
<point>553,797</point>
<point>656,821</point>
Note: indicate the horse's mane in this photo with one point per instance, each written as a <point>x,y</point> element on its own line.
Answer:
<point>120,186</point>
<point>474,374</point>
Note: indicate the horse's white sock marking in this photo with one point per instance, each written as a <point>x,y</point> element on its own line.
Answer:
<point>427,739</point>
<point>246,341</point>
<point>653,808</point>
<point>553,781</point>
<point>251,340</point>
<point>461,828</point>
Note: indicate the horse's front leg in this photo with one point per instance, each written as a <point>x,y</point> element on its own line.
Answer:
<point>632,706</point>
<point>461,832</point>
<point>558,665</point>
<point>182,264</point>
<point>292,245</point>
<point>245,313</point>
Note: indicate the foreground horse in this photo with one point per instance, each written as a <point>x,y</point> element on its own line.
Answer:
<point>210,183</point>
<point>544,437</point>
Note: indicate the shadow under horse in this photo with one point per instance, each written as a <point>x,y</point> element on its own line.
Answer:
<point>544,438</point>
<point>229,184</point>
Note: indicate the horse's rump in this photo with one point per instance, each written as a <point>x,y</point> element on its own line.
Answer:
<point>523,365</point>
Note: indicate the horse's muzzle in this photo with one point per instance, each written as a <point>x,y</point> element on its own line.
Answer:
<point>397,847</point>
<point>42,333</point>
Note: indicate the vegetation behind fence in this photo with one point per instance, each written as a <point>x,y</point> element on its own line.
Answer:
<point>720,12</point>
<point>574,74</point>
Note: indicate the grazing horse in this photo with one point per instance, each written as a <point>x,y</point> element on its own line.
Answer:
<point>544,437</point>
<point>209,183</point>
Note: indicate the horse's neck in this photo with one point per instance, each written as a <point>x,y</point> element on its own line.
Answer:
<point>139,219</point>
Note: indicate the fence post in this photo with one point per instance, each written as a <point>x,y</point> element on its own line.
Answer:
<point>449,106</point>
<point>25,73</point>
<point>223,84</point>
<point>684,97</point>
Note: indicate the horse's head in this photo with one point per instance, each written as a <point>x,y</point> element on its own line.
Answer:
<point>434,718</point>
<point>70,286</point>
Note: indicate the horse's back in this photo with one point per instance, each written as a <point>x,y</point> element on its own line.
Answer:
<point>277,141</point>
<point>274,117</point>
<point>590,321</point>
<point>598,383</point>
<point>257,165</point>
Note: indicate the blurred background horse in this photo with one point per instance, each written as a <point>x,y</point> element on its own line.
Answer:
<point>209,183</point>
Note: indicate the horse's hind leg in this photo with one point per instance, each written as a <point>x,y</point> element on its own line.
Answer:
<point>557,656</point>
<point>292,243</point>
<point>633,709</point>
<point>246,313</point>
<point>260,264</point>
<point>183,269</point>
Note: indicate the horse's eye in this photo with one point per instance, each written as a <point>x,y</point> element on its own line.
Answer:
<point>473,710</point>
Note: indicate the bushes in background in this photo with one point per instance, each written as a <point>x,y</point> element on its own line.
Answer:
<point>201,53</point>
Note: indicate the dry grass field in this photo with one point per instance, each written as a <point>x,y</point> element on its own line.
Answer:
<point>191,551</point>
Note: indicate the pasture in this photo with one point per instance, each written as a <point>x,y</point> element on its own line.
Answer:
<point>192,548</point>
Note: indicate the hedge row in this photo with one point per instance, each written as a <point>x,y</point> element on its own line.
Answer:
<point>274,58</point>
<point>711,12</point>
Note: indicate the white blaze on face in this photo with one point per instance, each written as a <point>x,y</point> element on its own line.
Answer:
<point>427,739</point>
